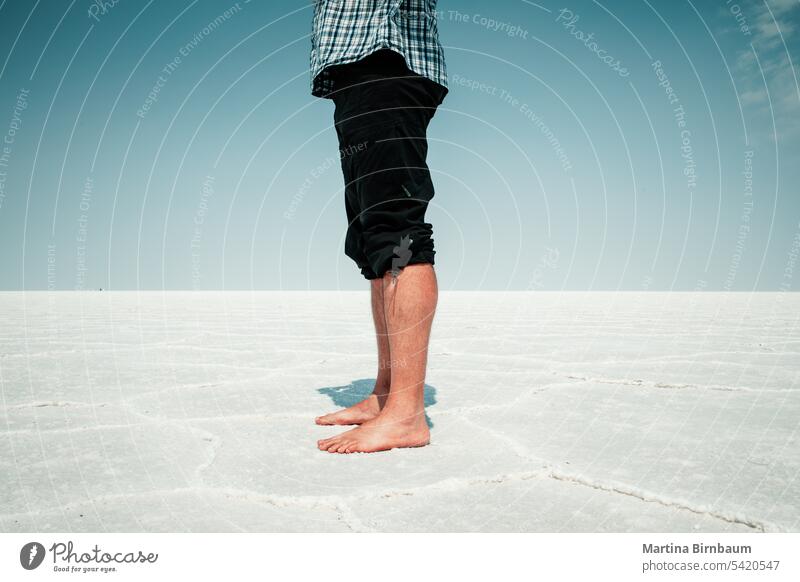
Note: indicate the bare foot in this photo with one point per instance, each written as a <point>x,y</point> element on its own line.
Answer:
<point>356,414</point>
<point>384,432</point>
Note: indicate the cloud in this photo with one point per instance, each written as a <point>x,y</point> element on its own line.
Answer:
<point>757,96</point>
<point>773,57</point>
<point>772,26</point>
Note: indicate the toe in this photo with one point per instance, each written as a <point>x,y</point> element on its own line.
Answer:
<point>332,446</point>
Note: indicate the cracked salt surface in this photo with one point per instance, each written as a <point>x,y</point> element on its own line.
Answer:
<point>552,412</point>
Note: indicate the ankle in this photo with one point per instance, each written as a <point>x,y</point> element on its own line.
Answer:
<point>382,384</point>
<point>378,397</point>
<point>404,415</point>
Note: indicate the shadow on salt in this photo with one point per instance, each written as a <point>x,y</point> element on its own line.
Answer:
<point>358,390</point>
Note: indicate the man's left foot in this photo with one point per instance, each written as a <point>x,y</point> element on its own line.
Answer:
<point>382,433</point>
<point>361,412</point>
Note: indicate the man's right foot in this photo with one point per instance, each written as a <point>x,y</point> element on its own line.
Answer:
<point>365,410</point>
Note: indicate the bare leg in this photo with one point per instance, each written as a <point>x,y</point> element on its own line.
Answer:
<point>372,404</point>
<point>409,304</point>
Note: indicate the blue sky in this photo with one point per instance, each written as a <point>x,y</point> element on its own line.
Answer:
<point>583,145</point>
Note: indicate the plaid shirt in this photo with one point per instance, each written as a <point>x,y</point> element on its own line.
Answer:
<point>344,31</point>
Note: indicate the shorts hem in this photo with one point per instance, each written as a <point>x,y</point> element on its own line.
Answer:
<point>420,259</point>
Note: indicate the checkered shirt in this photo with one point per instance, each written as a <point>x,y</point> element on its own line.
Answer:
<point>344,31</point>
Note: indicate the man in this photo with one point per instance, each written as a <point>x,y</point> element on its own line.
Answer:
<point>381,63</point>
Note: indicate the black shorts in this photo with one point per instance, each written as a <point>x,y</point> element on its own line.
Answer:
<point>381,116</point>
